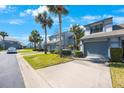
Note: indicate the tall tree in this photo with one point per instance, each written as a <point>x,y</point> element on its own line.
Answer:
<point>78,32</point>
<point>3,34</point>
<point>58,10</point>
<point>35,37</point>
<point>45,21</point>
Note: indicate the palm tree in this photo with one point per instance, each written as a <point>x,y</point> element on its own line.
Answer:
<point>45,22</point>
<point>35,37</point>
<point>58,10</point>
<point>3,34</point>
<point>78,32</point>
<point>31,40</point>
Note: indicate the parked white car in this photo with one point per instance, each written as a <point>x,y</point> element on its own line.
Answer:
<point>11,50</point>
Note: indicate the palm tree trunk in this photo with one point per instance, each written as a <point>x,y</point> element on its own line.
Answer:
<point>34,45</point>
<point>4,47</point>
<point>45,41</point>
<point>77,44</point>
<point>60,32</point>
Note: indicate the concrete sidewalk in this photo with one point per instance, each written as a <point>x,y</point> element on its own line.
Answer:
<point>75,74</point>
<point>31,78</point>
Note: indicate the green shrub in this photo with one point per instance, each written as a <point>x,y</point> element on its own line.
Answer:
<point>56,52</point>
<point>70,46</point>
<point>38,49</point>
<point>52,51</point>
<point>78,53</point>
<point>66,52</point>
<point>1,48</point>
<point>116,54</point>
<point>35,49</point>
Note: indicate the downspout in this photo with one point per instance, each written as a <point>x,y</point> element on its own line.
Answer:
<point>109,46</point>
<point>120,44</point>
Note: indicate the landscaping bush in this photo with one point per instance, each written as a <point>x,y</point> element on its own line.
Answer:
<point>1,49</point>
<point>116,54</point>
<point>78,53</point>
<point>35,49</point>
<point>38,49</point>
<point>66,52</point>
<point>56,52</point>
<point>52,51</point>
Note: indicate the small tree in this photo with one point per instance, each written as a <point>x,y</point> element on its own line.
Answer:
<point>35,37</point>
<point>78,32</point>
<point>3,34</point>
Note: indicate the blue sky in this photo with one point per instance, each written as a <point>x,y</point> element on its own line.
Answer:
<point>18,21</point>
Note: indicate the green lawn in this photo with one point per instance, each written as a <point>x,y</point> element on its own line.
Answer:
<point>25,50</point>
<point>44,60</point>
<point>1,49</point>
<point>117,73</point>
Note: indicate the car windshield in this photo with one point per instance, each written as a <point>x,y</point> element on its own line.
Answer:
<point>11,48</point>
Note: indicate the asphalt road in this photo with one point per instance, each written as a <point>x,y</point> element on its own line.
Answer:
<point>10,74</point>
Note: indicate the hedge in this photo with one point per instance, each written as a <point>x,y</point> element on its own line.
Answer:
<point>116,54</point>
<point>66,52</point>
<point>78,53</point>
<point>52,51</point>
<point>38,49</point>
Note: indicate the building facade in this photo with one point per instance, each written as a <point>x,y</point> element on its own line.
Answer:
<point>53,41</point>
<point>10,42</point>
<point>100,37</point>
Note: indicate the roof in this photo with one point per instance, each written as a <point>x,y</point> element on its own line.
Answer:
<point>104,34</point>
<point>99,21</point>
<point>118,27</point>
<point>11,39</point>
<point>51,42</point>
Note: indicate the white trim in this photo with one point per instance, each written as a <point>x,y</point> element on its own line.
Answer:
<point>95,40</point>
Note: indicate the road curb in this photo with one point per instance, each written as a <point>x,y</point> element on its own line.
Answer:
<point>31,78</point>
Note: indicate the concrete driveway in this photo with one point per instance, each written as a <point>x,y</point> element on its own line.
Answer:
<point>10,75</point>
<point>75,74</point>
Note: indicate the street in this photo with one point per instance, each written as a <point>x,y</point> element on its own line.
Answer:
<point>10,74</point>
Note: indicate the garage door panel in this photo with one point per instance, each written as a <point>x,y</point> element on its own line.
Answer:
<point>96,48</point>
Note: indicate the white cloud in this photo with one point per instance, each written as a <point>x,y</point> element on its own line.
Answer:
<point>55,20</point>
<point>22,38</point>
<point>89,17</point>
<point>34,12</point>
<point>118,19</point>
<point>26,12</point>
<point>16,21</point>
<point>3,6</point>
<point>7,9</point>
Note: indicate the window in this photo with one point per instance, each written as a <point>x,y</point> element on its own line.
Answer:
<point>96,28</point>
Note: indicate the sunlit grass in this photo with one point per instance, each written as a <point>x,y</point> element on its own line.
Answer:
<point>117,74</point>
<point>25,50</point>
<point>44,60</point>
